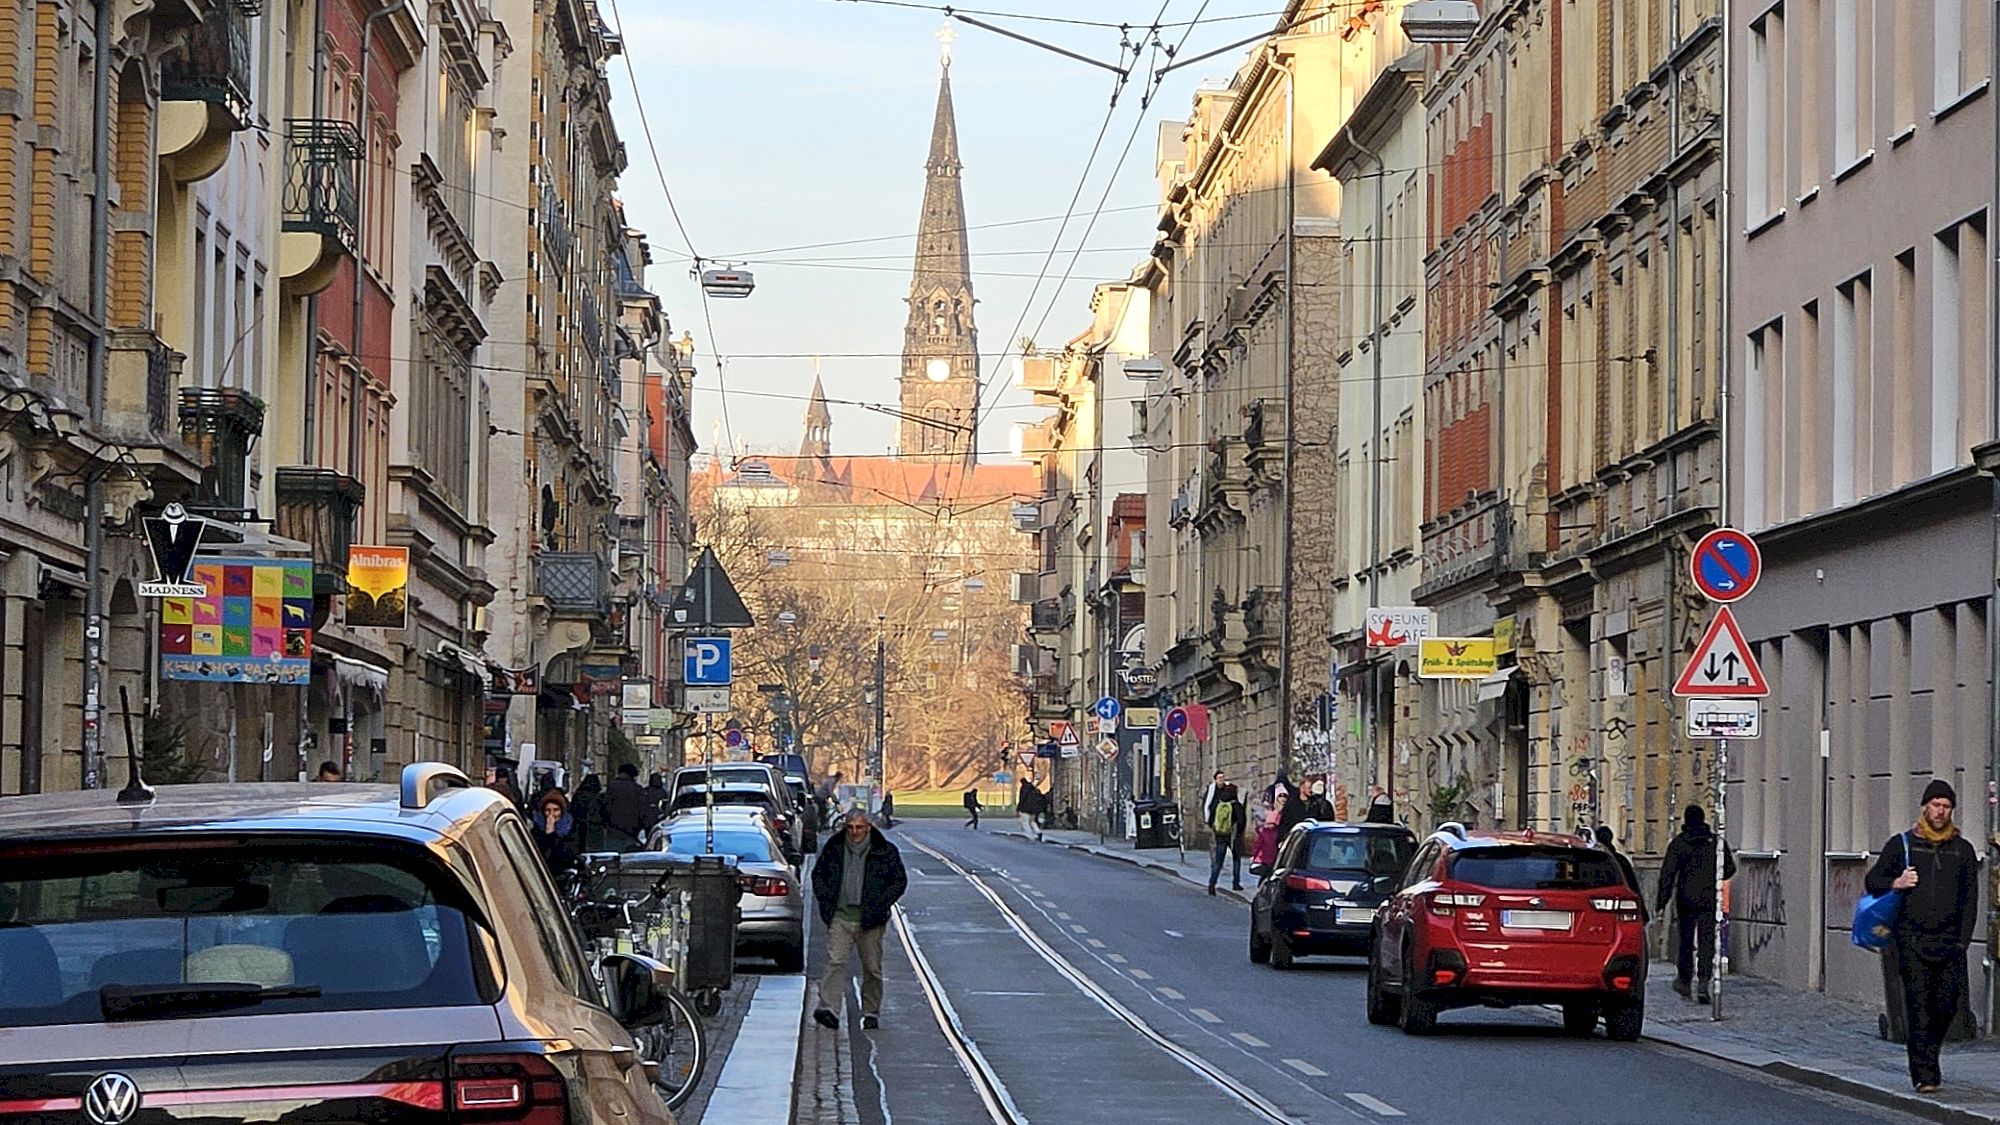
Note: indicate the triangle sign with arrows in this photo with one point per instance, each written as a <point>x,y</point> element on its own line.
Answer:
<point>1722,666</point>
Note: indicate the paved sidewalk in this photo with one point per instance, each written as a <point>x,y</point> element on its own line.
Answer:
<point>755,1036</point>
<point>1806,1037</point>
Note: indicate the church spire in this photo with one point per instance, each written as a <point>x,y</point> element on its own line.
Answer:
<point>940,381</point>
<point>819,422</point>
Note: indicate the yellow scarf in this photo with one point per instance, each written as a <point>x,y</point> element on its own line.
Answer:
<point>1935,836</point>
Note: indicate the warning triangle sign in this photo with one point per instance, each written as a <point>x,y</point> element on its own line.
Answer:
<point>1722,666</point>
<point>709,599</point>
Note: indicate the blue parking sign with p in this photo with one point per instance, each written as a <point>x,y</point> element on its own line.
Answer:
<point>707,662</point>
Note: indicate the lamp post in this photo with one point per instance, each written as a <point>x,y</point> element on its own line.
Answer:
<point>881,700</point>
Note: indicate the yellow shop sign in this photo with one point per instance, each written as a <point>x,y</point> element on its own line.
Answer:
<point>1455,658</point>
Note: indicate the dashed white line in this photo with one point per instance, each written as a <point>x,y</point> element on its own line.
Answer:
<point>1377,1105</point>
<point>1063,914</point>
<point>1172,994</point>
<point>1094,943</point>
<point>1115,958</point>
<point>1173,933</point>
<point>1075,929</point>
<point>1141,974</point>
<point>1205,1016</point>
<point>1305,1068</point>
<point>1247,1039</point>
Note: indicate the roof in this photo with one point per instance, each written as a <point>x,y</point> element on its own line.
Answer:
<point>1490,839</point>
<point>1351,826</point>
<point>244,806</point>
<point>892,480</point>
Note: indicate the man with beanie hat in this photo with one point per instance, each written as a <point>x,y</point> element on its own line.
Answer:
<point>1939,881</point>
<point>1687,879</point>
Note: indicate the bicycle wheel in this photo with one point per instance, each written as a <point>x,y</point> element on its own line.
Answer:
<point>680,1047</point>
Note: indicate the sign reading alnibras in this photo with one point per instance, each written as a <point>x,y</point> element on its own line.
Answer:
<point>1456,658</point>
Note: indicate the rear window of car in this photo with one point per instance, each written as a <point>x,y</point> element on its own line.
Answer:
<point>1536,868</point>
<point>752,847</point>
<point>1373,852</point>
<point>365,929</point>
<point>696,799</point>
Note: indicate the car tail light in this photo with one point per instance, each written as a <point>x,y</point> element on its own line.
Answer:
<point>763,886</point>
<point>1444,903</point>
<point>1297,882</point>
<point>526,1089</point>
<point>1444,976</point>
<point>1623,907</point>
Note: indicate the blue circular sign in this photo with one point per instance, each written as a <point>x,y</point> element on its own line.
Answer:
<point>1725,565</point>
<point>1177,722</point>
<point>1108,709</point>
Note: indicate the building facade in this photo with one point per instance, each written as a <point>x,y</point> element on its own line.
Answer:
<point>1861,438</point>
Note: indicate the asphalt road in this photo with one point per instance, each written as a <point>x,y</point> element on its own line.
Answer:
<point>1096,991</point>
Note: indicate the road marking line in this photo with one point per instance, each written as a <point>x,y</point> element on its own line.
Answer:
<point>1063,914</point>
<point>1094,943</point>
<point>1172,993</point>
<point>1078,929</point>
<point>1115,958</point>
<point>1372,1103</point>
<point>1173,933</point>
<point>1205,1016</point>
<point>1305,1068</point>
<point>1247,1039</point>
<point>1141,974</point>
<point>977,993</point>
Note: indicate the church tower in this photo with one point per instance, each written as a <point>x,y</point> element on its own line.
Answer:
<point>940,380</point>
<point>818,441</point>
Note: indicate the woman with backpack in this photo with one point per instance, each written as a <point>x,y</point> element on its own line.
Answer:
<point>1223,812</point>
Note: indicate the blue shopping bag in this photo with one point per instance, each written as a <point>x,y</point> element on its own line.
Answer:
<point>1875,915</point>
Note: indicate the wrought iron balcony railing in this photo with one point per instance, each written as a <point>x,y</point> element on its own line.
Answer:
<point>159,389</point>
<point>322,159</point>
<point>320,506</point>
<point>214,66</point>
<point>574,582</point>
<point>221,424</point>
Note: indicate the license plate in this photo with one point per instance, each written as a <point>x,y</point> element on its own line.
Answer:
<point>1535,919</point>
<point>1354,915</point>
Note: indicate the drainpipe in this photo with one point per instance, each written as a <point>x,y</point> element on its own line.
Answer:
<point>1291,418</point>
<point>360,252</point>
<point>93,519</point>
<point>1992,641</point>
<point>1372,701</point>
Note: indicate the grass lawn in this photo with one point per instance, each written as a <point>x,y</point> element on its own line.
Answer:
<point>993,801</point>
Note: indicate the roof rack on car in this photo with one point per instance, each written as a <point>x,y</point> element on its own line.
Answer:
<point>424,782</point>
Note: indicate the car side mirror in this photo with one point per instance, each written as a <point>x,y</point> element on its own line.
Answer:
<point>637,988</point>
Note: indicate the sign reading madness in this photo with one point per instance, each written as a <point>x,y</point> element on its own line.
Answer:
<point>253,624</point>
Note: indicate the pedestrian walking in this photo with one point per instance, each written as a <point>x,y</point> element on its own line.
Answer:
<point>888,809</point>
<point>1222,810</point>
<point>1029,805</point>
<point>1264,856</point>
<point>587,808</point>
<point>1292,812</point>
<point>1317,806</point>
<point>1631,877</point>
<point>555,832</point>
<point>500,779</point>
<point>1937,872</point>
<point>1687,879</point>
<point>856,881</point>
<point>625,807</point>
<point>657,798</point>
<point>972,807</point>
<point>328,771</point>
<point>1381,810</point>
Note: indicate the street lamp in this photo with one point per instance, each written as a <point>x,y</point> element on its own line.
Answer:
<point>879,697</point>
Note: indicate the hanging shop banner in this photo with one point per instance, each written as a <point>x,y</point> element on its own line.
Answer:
<point>378,587</point>
<point>1456,658</point>
<point>252,626</point>
<point>515,681</point>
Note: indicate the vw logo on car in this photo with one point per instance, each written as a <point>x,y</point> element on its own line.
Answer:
<point>111,1100</point>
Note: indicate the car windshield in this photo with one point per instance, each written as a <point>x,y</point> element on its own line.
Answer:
<point>329,928</point>
<point>745,844</point>
<point>1536,868</point>
<point>1373,852</point>
<point>696,798</point>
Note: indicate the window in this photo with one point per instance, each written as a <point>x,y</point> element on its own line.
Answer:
<point>550,920</point>
<point>441,412</point>
<point>1519,868</point>
<point>1958,342</point>
<point>1805,410</point>
<point>368,928</point>
<point>1853,80</point>
<point>1912,452</point>
<point>1763,435</point>
<point>198,347</point>
<point>1377,853</point>
<point>1805,24</point>
<point>1764,150</point>
<point>1959,37</point>
<point>1851,386</point>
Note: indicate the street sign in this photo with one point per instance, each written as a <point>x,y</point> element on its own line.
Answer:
<point>705,700</point>
<point>1455,658</point>
<point>1722,667</point>
<point>1107,726</point>
<point>707,662</point>
<point>1107,749</point>
<point>709,599</point>
<point>174,537</point>
<point>1725,565</point>
<point>1027,756</point>
<point>1141,681</point>
<point>1068,743</point>
<point>1390,626</point>
<point>1725,718</point>
<point>1107,708</point>
<point>1142,718</point>
<point>1058,729</point>
<point>1177,722</point>
<point>732,738</point>
<point>1004,778</point>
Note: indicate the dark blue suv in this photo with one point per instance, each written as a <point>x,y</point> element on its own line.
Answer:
<point>1321,896</point>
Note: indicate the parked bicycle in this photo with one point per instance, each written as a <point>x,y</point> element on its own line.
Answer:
<point>609,920</point>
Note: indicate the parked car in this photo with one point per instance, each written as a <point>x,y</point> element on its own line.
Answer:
<point>772,910</point>
<point>808,810</point>
<point>792,765</point>
<point>751,796</point>
<point>1322,895</point>
<point>735,773</point>
<point>1506,918</point>
<point>251,952</point>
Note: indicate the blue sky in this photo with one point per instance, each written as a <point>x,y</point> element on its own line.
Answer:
<point>783,123</point>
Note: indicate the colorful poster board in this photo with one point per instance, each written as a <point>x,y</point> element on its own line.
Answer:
<point>253,626</point>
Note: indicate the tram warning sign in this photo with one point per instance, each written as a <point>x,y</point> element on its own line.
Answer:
<point>1722,666</point>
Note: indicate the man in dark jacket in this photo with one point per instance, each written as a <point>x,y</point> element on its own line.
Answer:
<point>625,805</point>
<point>857,879</point>
<point>1940,886</point>
<point>1223,812</point>
<point>1687,879</point>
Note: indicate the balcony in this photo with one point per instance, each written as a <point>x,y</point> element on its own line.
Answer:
<point>322,222</point>
<point>574,584</point>
<point>1264,615</point>
<point>221,424</point>
<point>319,506</point>
<point>1046,616</point>
<point>205,92</point>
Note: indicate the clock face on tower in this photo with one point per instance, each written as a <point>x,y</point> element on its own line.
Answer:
<point>938,369</point>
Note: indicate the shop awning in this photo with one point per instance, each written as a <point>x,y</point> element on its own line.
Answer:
<point>473,663</point>
<point>1494,685</point>
<point>354,674</point>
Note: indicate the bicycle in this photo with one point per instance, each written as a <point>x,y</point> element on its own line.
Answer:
<point>675,1050</point>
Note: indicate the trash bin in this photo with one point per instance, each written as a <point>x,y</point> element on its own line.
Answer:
<point>710,881</point>
<point>1894,1022</point>
<point>1157,823</point>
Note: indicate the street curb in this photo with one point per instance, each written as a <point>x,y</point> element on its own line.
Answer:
<point>743,1090</point>
<point>1911,1102</point>
<point>1100,853</point>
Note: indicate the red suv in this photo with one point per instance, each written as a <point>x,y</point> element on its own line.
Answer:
<point>1505,918</point>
